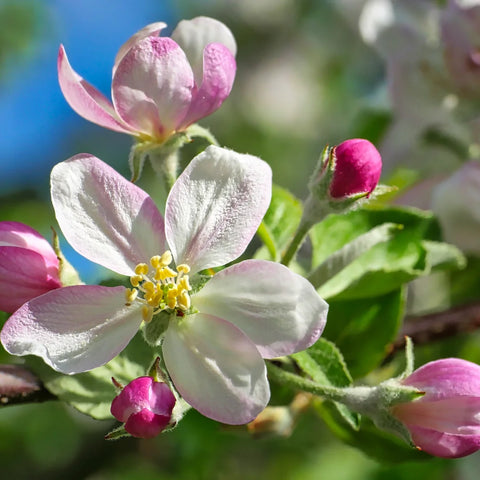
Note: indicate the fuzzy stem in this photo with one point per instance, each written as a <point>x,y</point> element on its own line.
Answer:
<point>301,383</point>
<point>301,233</point>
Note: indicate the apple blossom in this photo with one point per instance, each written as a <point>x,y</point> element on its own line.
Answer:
<point>145,406</point>
<point>445,421</point>
<point>456,202</point>
<point>217,336</point>
<point>29,266</point>
<point>160,85</point>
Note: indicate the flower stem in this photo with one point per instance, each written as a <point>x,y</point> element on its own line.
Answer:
<point>297,241</point>
<point>301,383</point>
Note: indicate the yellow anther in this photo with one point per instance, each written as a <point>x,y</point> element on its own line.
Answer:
<point>161,288</point>
<point>130,295</point>
<point>184,300</point>
<point>149,287</point>
<point>155,261</point>
<point>135,280</point>
<point>147,313</point>
<point>141,269</point>
<point>166,258</point>
<point>184,284</point>
<point>164,273</point>
<point>154,299</point>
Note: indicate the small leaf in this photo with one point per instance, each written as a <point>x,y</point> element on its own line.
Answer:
<point>196,130</point>
<point>443,256</point>
<point>136,161</point>
<point>117,433</point>
<point>324,363</point>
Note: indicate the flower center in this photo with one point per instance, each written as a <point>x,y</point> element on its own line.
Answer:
<point>159,287</point>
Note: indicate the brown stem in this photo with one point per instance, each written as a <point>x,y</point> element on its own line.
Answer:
<point>436,326</point>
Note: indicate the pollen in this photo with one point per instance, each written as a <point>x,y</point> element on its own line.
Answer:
<point>160,287</point>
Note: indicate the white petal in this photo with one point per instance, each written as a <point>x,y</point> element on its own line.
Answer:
<point>216,368</point>
<point>73,329</point>
<point>277,309</point>
<point>105,217</point>
<point>216,206</point>
<point>194,35</point>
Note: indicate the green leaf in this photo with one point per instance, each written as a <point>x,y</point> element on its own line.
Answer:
<point>279,224</point>
<point>324,363</point>
<point>363,329</point>
<point>377,444</point>
<point>443,256</point>
<point>412,252</point>
<point>349,252</point>
<point>92,392</point>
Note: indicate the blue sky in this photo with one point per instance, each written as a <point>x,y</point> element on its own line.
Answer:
<point>35,120</point>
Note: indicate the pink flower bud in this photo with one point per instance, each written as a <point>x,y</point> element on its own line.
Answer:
<point>145,406</point>
<point>444,422</point>
<point>357,169</point>
<point>29,266</point>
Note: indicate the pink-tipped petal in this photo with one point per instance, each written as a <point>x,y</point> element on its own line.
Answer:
<point>106,218</point>
<point>143,392</point>
<point>277,309</point>
<point>194,35</point>
<point>16,234</point>
<point>218,75</point>
<point>23,275</point>
<point>74,329</point>
<point>444,445</point>
<point>446,378</point>
<point>216,206</point>
<point>457,416</point>
<point>85,99</point>
<point>146,424</point>
<point>152,86</point>
<point>151,30</point>
<point>216,368</point>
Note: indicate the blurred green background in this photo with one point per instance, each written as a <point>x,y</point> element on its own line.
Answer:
<point>304,79</point>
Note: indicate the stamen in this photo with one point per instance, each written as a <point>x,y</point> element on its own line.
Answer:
<point>164,273</point>
<point>182,268</point>
<point>141,269</point>
<point>130,295</point>
<point>166,258</point>
<point>184,300</point>
<point>160,288</point>
<point>135,280</point>
<point>155,261</point>
<point>147,314</point>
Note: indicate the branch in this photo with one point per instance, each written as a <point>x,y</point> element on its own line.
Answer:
<point>19,385</point>
<point>425,329</point>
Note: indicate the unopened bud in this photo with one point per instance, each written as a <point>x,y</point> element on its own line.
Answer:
<point>145,406</point>
<point>357,166</point>
<point>445,421</point>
